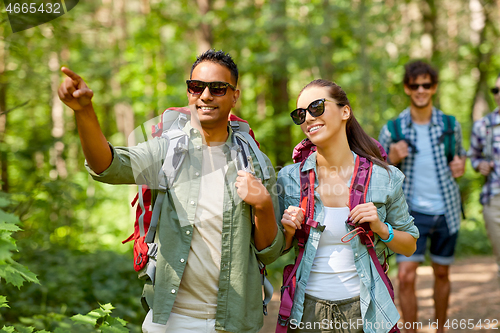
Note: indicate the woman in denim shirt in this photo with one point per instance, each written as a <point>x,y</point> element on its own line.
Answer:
<point>338,286</point>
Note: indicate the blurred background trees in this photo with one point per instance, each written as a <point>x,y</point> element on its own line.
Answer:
<point>136,55</point>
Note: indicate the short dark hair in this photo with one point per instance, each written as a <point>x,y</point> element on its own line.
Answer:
<point>218,57</point>
<point>416,68</point>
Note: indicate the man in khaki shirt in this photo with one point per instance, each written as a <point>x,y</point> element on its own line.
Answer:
<point>207,277</point>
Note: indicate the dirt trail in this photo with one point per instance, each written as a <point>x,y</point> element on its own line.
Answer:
<point>475,296</point>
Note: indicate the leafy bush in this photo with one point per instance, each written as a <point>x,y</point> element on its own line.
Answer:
<point>69,282</point>
<point>73,282</point>
<point>98,320</point>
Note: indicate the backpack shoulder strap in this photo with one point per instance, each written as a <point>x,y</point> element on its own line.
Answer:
<point>359,188</point>
<point>176,152</point>
<point>488,151</point>
<point>357,195</point>
<point>307,180</point>
<point>360,181</point>
<point>241,134</point>
<point>394,127</point>
<point>448,137</point>
<point>242,131</point>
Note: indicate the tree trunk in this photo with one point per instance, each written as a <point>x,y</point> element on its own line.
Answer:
<point>4,176</point>
<point>327,68</point>
<point>482,23</point>
<point>204,33</point>
<point>57,122</point>
<point>123,111</point>
<point>430,30</point>
<point>366,97</point>
<point>282,138</point>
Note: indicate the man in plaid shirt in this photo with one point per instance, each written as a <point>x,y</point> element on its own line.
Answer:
<point>485,155</point>
<point>431,191</point>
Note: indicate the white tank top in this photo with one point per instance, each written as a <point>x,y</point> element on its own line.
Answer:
<point>333,274</point>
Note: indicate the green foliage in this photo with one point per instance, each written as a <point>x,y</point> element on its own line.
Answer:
<point>3,302</point>
<point>73,282</point>
<point>472,237</point>
<point>98,320</point>
<point>136,57</point>
<point>11,271</point>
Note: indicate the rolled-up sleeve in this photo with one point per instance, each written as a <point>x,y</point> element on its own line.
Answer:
<point>133,165</point>
<point>477,144</point>
<point>397,208</point>
<point>273,251</point>
<point>284,184</point>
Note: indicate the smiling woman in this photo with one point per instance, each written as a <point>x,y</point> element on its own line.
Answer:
<point>355,288</point>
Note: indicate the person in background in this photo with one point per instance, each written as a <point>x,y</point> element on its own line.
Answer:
<point>430,188</point>
<point>484,155</point>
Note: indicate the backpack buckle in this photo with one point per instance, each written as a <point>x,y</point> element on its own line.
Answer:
<point>283,322</point>
<point>152,250</point>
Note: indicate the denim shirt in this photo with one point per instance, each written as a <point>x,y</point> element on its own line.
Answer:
<point>385,191</point>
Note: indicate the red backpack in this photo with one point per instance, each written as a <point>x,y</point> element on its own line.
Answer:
<point>357,195</point>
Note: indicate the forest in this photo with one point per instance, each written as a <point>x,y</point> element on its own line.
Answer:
<point>63,267</point>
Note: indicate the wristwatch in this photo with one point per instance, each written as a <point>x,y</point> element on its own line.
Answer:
<point>391,233</point>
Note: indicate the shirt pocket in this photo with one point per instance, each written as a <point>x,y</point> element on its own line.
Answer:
<point>292,199</point>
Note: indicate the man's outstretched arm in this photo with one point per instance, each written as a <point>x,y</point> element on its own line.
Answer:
<point>75,93</point>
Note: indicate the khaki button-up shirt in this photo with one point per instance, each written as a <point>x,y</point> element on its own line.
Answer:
<point>239,299</point>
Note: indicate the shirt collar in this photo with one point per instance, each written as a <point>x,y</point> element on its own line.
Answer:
<point>310,162</point>
<point>435,119</point>
<point>193,133</point>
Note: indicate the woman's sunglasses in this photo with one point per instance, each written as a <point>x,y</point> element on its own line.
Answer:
<point>494,91</point>
<point>216,88</point>
<point>316,109</point>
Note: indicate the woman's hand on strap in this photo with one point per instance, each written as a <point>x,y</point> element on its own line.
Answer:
<point>367,212</point>
<point>292,220</point>
<point>402,243</point>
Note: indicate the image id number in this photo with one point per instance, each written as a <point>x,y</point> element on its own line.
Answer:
<point>471,324</point>
<point>34,8</point>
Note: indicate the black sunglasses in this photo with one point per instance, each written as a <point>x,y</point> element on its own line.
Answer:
<point>494,91</point>
<point>216,88</point>
<point>415,86</point>
<point>316,109</point>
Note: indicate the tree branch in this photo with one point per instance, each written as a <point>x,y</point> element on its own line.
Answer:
<point>15,107</point>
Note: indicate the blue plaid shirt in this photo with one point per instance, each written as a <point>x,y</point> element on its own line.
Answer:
<point>385,192</point>
<point>447,184</point>
<point>485,146</point>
